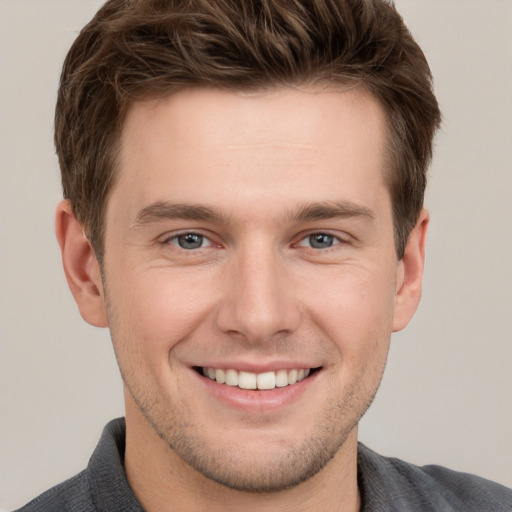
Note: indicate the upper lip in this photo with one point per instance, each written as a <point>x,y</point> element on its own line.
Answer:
<point>253,367</point>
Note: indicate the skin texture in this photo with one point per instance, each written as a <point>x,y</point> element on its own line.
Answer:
<point>255,175</point>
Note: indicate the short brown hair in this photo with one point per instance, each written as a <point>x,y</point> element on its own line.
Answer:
<point>137,49</point>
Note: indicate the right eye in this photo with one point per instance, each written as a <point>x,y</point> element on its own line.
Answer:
<point>189,241</point>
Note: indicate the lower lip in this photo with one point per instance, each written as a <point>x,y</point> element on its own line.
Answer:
<point>257,400</point>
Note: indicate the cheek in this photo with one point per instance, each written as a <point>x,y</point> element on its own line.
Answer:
<point>356,300</point>
<point>156,308</point>
<point>356,313</point>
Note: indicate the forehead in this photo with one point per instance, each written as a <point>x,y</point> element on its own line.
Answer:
<point>209,146</point>
<point>292,112</point>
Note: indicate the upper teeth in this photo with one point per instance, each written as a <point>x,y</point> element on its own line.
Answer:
<point>249,380</point>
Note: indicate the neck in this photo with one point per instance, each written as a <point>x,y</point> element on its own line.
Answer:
<point>163,481</point>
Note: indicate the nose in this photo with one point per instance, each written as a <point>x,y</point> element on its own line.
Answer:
<point>259,299</point>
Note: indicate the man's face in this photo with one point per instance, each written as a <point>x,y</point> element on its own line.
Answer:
<point>250,236</point>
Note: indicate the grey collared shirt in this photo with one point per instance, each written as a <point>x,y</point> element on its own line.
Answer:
<point>386,485</point>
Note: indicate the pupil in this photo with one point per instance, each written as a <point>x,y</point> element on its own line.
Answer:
<point>321,240</point>
<point>190,241</point>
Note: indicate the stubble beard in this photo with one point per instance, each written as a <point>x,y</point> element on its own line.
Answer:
<point>231,467</point>
<point>239,470</point>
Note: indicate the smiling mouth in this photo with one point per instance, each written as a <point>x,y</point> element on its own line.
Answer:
<point>259,381</point>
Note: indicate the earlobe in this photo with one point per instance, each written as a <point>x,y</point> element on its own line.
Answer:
<point>80,266</point>
<point>410,274</point>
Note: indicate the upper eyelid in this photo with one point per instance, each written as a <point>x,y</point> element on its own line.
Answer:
<point>337,241</point>
<point>342,237</point>
<point>169,236</point>
<point>171,240</point>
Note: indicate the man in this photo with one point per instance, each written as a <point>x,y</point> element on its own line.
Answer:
<point>244,186</point>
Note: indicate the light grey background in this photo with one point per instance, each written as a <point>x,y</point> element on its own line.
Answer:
<point>446,396</point>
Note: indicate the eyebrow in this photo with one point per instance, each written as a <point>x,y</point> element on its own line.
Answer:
<point>162,210</point>
<point>330,210</point>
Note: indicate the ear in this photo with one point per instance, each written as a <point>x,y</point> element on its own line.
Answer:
<point>410,274</point>
<point>80,266</point>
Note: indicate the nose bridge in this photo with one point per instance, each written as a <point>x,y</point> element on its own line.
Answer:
<point>258,300</point>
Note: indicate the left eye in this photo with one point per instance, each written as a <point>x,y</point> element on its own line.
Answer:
<point>319,241</point>
<point>190,241</point>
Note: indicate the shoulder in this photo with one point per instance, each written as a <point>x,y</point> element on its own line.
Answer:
<point>102,486</point>
<point>73,494</point>
<point>392,484</point>
<point>480,493</point>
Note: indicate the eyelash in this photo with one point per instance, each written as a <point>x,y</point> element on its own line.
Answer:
<point>174,240</point>
<point>335,240</point>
